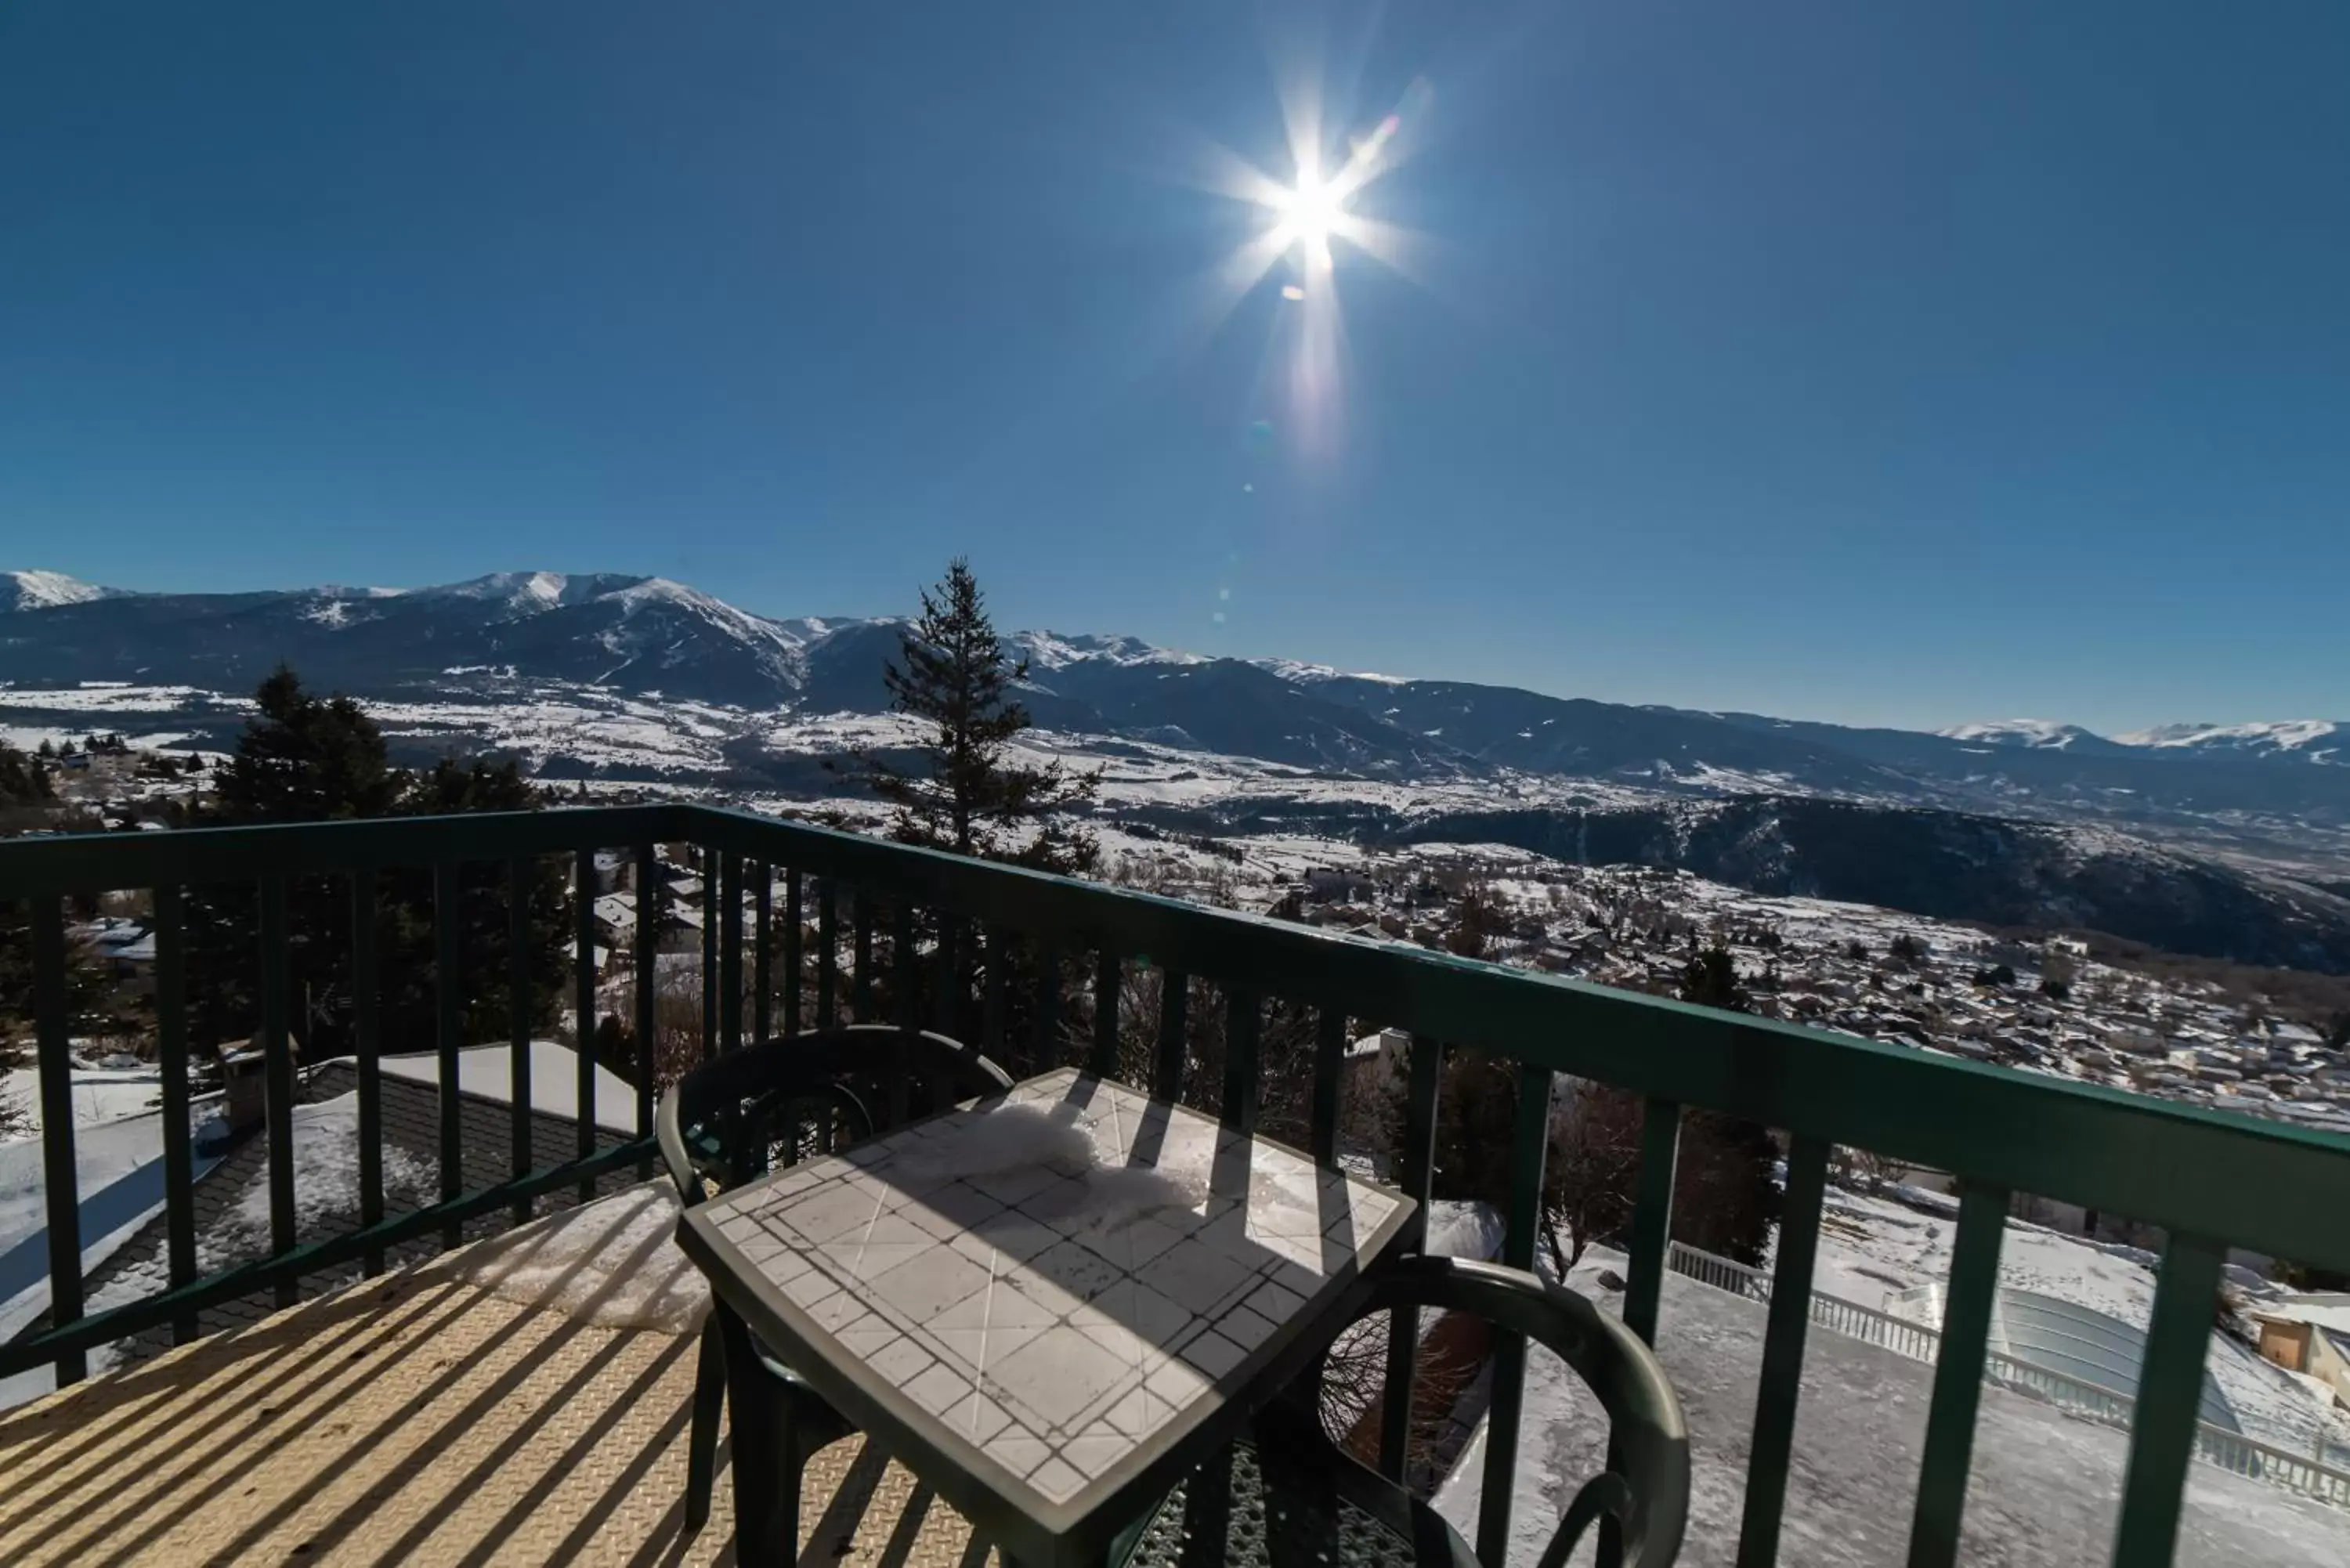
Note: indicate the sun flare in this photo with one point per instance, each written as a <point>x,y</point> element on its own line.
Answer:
<point>1311,212</point>
<point>1305,221</point>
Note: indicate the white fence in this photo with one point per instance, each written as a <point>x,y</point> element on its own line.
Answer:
<point>2214,1444</point>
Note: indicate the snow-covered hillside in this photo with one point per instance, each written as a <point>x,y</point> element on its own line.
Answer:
<point>2030,732</point>
<point>46,590</point>
<point>2313,739</point>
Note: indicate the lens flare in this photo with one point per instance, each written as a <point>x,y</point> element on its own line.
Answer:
<point>1312,220</point>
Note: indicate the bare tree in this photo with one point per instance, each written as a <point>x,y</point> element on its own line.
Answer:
<point>1589,1174</point>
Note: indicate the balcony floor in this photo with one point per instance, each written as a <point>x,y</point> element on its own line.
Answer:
<point>425,1417</point>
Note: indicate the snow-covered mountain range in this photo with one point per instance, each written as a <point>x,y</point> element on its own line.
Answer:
<point>512,639</point>
<point>2233,840</point>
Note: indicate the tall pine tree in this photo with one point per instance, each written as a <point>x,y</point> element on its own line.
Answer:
<point>957,677</point>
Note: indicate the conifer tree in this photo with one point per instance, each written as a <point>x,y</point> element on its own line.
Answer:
<point>957,677</point>
<point>306,758</point>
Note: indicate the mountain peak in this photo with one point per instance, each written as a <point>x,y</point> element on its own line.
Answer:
<point>528,593</point>
<point>2303,735</point>
<point>46,590</point>
<point>2037,734</point>
<point>1058,650</point>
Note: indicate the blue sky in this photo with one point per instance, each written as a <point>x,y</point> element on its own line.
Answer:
<point>1877,362</point>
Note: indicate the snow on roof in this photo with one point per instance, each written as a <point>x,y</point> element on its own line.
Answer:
<point>486,1071</point>
<point>2328,1310</point>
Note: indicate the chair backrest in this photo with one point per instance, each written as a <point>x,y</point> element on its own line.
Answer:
<point>720,1121</point>
<point>1646,1484</point>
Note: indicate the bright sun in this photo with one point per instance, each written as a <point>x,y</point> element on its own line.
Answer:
<point>1310,212</point>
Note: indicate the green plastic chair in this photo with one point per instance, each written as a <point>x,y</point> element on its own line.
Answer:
<point>720,1126</point>
<point>1290,1495</point>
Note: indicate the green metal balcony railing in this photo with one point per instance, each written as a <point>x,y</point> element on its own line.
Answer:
<point>2209,1179</point>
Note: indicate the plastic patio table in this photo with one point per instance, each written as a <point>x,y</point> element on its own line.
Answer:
<point>1051,1305</point>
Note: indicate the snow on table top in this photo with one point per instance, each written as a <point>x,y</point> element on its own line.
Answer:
<point>487,1072</point>
<point>2044,1490</point>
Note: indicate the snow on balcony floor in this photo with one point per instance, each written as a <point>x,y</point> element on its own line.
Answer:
<point>2044,1489</point>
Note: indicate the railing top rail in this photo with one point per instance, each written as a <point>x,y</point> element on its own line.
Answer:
<point>2267,1186</point>
<point>102,862</point>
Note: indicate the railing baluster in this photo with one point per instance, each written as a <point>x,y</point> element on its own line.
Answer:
<point>520,1097</point>
<point>1418,1168</point>
<point>1652,1216</point>
<point>999,991</point>
<point>1329,1069</point>
<point>763,978</point>
<point>792,954</point>
<point>172,1060</point>
<point>730,956</point>
<point>1529,1142</point>
<point>709,976</point>
<point>1108,977</point>
<point>648,936</point>
<point>1652,1226</point>
<point>583,1007</point>
<point>1174,1035</point>
<point>448,926</point>
<point>906,982</point>
<point>1958,1377</point>
<point>860,956</point>
<point>277,1074</point>
<point>905,979</point>
<point>2169,1394</point>
<point>59,1174</point>
<point>827,953</point>
<point>1048,1006</point>
<point>944,1003</point>
<point>367,1031</point>
<point>1773,1439</point>
<point>1243,1028</point>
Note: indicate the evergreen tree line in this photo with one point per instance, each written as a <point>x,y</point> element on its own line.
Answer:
<point>307,758</point>
<point>25,779</point>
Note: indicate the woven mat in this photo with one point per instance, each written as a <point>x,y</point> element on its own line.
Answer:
<point>416,1420</point>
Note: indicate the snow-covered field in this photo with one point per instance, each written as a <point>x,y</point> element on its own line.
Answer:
<point>2044,1490</point>
<point>1871,1247</point>
<point>100,1095</point>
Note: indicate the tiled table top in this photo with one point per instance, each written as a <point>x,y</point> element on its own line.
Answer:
<point>1060,1282</point>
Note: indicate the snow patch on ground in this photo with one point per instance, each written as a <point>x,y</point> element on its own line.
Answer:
<point>2044,1490</point>
<point>1458,1229</point>
<point>99,1095</point>
<point>1870,1247</point>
